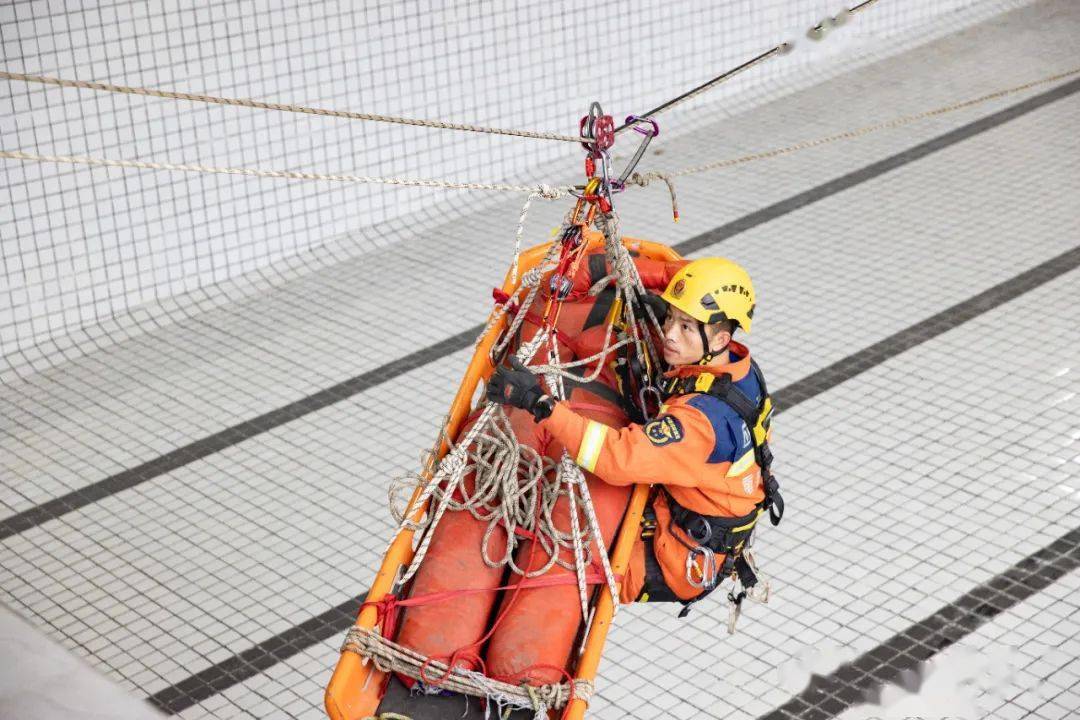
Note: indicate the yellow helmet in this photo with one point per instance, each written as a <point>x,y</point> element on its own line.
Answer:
<point>712,290</point>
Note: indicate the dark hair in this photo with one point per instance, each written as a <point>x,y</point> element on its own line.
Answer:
<point>727,326</point>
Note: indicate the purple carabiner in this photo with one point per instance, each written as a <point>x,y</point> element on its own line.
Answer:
<point>635,119</point>
<point>649,134</point>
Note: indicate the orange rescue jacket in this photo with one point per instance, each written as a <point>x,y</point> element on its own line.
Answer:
<point>697,448</point>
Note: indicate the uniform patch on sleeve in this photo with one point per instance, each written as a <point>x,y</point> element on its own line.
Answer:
<point>664,430</point>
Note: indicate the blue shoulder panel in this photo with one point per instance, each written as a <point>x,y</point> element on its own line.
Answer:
<point>732,435</point>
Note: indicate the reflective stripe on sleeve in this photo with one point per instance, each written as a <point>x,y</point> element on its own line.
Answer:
<point>742,464</point>
<point>591,443</point>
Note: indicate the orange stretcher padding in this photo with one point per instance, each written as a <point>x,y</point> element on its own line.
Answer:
<point>354,689</point>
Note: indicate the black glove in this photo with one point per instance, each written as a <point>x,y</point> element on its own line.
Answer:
<point>520,388</point>
<point>658,304</point>
<point>659,307</point>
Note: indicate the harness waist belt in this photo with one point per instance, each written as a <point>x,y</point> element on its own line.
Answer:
<point>720,534</point>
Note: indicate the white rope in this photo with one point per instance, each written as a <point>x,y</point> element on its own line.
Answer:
<point>571,479</point>
<point>388,656</point>
<point>546,192</point>
<point>451,471</point>
<point>576,479</point>
<point>285,107</point>
<point>543,191</point>
<point>519,233</point>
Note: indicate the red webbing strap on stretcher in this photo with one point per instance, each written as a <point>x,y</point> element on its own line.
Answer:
<point>387,608</point>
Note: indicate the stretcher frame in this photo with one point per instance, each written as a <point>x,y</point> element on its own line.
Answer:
<point>354,690</point>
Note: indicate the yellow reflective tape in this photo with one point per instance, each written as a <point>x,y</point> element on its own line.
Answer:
<point>591,444</point>
<point>742,464</point>
<point>704,382</point>
<point>750,524</point>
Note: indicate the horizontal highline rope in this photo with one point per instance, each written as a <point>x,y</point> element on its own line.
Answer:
<point>859,132</point>
<point>284,107</point>
<point>544,191</point>
<point>253,427</point>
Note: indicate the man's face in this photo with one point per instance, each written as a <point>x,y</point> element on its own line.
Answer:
<point>682,341</point>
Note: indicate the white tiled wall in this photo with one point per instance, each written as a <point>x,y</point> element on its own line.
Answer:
<point>86,247</point>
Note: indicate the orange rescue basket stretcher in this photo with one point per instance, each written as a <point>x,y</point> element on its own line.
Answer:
<point>354,689</point>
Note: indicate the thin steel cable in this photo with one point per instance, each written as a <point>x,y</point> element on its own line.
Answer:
<point>284,107</point>
<point>780,49</point>
<point>856,133</point>
<point>547,192</point>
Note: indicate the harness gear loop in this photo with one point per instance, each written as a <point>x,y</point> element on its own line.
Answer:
<point>734,609</point>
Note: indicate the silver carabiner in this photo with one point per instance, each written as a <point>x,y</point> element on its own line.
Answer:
<point>708,567</point>
<point>655,391</point>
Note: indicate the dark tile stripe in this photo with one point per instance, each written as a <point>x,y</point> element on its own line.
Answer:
<point>216,678</point>
<point>872,356</point>
<point>237,669</point>
<point>243,431</point>
<point>232,435</point>
<point>856,177</point>
<point>898,660</point>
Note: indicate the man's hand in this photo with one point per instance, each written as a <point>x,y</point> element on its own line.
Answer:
<point>520,388</point>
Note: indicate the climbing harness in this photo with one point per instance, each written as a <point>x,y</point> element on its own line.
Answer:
<point>730,537</point>
<point>756,416</point>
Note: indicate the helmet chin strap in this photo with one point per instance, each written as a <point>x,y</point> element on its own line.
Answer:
<point>708,355</point>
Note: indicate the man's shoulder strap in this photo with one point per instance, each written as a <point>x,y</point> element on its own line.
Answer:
<point>724,389</point>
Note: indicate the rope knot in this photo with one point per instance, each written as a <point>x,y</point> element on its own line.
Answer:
<point>584,689</point>
<point>550,192</point>
<point>453,464</point>
<point>570,470</point>
<point>531,278</point>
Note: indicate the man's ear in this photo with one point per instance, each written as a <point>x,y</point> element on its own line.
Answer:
<point>720,341</point>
